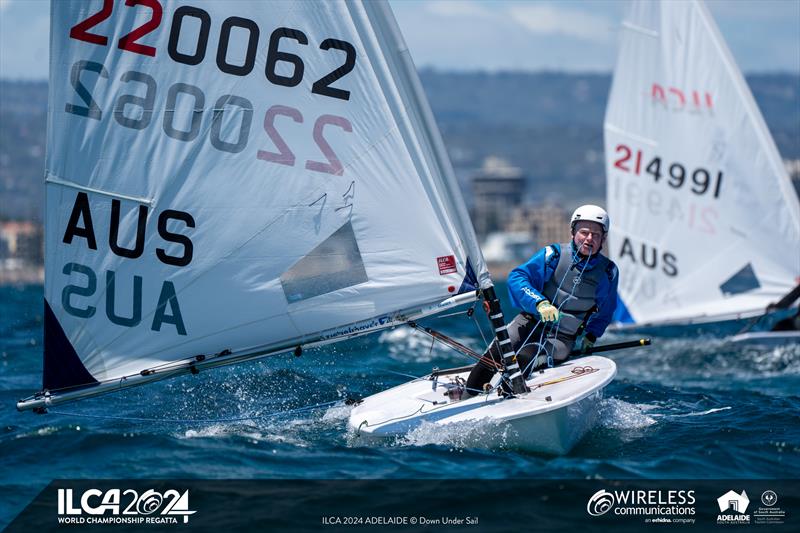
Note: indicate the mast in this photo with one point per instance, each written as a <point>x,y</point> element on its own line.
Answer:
<point>400,61</point>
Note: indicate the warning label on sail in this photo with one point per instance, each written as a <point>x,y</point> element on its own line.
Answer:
<point>447,264</point>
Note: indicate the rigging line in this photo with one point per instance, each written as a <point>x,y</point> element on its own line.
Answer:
<point>198,420</point>
<point>455,345</point>
<point>575,259</point>
<point>486,343</point>
<point>397,373</point>
<point>541,335</point>
<point>470,314</point>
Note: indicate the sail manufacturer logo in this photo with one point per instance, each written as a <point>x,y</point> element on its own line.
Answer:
<point>446,264</point>
<point>117,506</point>
<point>676,99</point>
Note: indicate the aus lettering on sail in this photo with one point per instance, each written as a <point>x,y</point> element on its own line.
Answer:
<point>80,231</point>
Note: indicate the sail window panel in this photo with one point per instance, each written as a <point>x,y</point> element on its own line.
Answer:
<point>743,281</point>
<point>334,264</point>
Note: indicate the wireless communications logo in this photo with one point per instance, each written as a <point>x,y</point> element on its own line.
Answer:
<point>116,506</point>
<point>670,506</point>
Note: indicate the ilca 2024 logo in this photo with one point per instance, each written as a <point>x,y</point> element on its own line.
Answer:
<point>732,508</point>
<point>116,506</point>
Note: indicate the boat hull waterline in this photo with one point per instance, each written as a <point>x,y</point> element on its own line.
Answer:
<point>552,418</point>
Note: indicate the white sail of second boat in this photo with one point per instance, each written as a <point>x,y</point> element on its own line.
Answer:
<point>235,179</point>
<point>706,221</point>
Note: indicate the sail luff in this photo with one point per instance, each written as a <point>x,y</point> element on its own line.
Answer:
<point>401,63</point>
<point>754,114</point>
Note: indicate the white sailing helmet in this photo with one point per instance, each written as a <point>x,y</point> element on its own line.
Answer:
<point>591,213</point>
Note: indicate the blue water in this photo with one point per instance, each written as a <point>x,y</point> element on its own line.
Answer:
<point>682,408</point>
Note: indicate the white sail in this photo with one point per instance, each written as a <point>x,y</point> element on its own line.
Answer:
<point>237,178</point>
<point>705,220</point>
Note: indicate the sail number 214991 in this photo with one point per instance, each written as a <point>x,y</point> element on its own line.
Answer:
<point>699,180</point>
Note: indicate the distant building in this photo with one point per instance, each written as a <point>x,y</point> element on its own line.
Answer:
<point>497,189</point>
<point>22,240</point>
<point>508,247</point>
<point>546,223</point>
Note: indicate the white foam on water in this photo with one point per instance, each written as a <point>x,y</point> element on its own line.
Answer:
<point>337,412</point>
<point>707,362</point>
<point>618,414</point>
<point>248,431</point>
<point>275,433</point>
<point>703,413</point>
<point>40,432</point>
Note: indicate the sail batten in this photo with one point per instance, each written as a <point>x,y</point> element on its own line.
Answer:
<point>57,181</point>
<point>267,187</point>
<point>691,169</point>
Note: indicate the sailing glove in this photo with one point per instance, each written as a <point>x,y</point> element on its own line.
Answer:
<point>588,342</point>
<point>547,311</point>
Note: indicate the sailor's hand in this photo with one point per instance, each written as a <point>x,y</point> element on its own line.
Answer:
<point>588,342</point>
<point>547,311</point>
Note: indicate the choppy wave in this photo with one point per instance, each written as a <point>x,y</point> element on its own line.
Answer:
<point>618,414</point>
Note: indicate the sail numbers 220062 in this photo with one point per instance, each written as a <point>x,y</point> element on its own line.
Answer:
<point>675,174</point>
<point>136,112</point>
<point>83,31</point>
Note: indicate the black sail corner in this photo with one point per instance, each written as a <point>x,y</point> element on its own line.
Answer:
<point>62,366</point>
<point>470,282</point>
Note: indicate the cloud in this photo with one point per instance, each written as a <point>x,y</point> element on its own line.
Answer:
<point>4,4</point>
<point>544,19</point>
<point>457,8</point>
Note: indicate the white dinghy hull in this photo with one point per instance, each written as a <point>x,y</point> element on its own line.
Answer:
<point>552,418</point>
<point>769,339</point>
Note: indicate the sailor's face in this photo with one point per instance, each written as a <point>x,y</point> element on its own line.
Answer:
<point>588,237</point>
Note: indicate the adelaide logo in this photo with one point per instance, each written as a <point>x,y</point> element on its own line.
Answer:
<point>732,508</point>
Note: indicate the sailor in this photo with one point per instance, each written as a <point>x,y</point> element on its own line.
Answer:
<point>565,291</point>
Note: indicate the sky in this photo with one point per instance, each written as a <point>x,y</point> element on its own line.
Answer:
<point>463,35</point>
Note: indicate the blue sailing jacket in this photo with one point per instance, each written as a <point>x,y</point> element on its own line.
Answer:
<point>526,282</point>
